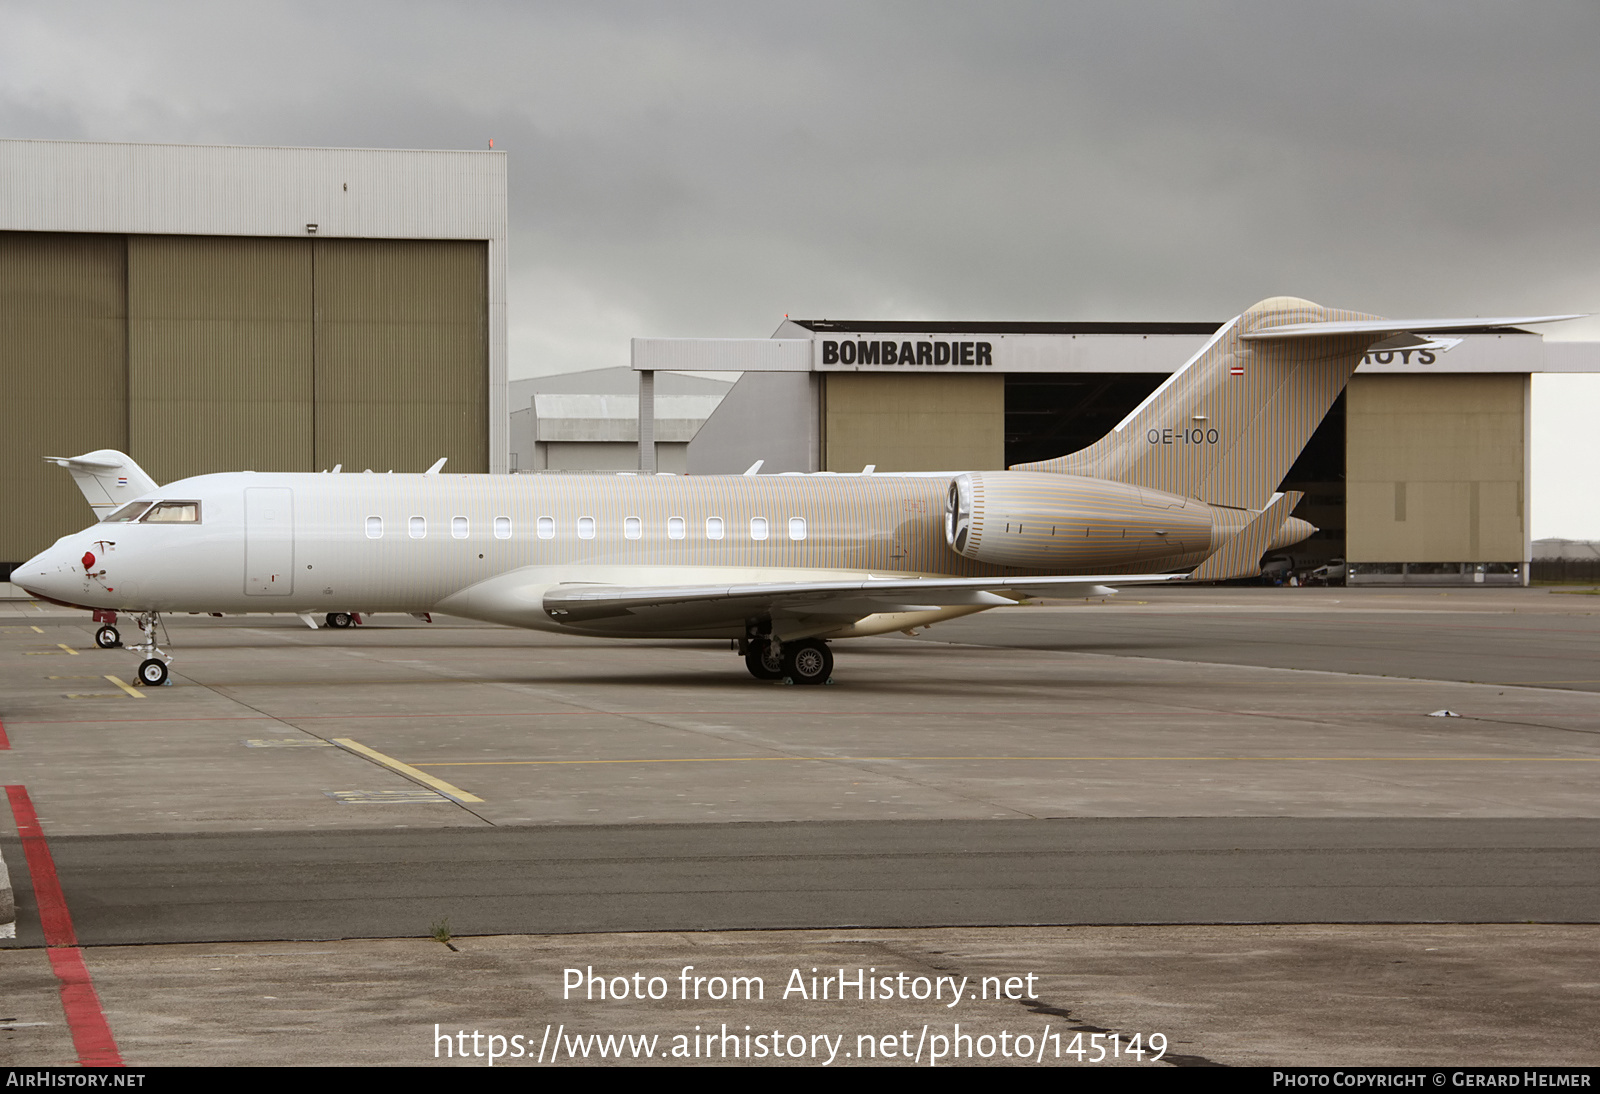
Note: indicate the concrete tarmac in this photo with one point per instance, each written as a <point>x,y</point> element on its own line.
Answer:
<point>1178,756</point>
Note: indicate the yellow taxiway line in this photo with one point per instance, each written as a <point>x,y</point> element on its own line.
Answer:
<point>449,791</point>
<point>1073,759</point>
<point>133,691</point>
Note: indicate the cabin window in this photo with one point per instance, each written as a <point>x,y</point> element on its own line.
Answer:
<point>127,513</point>
<point>547,527</point>
<point>173,512</point>
<point>585,527</point>
<point>632,528</point>
<point>417,527</point>
<point>374,527</point>
<point>758,527</point>
<point>713,527</point>
<point>502,527</point>
<point>676,528</point>
<point>459,527</point>
<point>797,527</point>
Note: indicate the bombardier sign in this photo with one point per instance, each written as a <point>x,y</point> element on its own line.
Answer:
<point>909,354</point>
<point>979,351</point>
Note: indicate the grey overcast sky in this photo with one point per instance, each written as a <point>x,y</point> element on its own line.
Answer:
<point>707,168</point>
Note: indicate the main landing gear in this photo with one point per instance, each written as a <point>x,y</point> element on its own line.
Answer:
<point>805,661</point>
<point>152,672</point>
<point>341,619</point>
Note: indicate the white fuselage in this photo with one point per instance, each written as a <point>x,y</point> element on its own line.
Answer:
<point>314,543</point>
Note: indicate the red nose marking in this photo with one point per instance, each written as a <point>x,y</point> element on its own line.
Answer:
<point>88,560</point>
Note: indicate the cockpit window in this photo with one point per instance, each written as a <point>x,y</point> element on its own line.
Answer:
<point>173,512</point>
<point>129,512</point>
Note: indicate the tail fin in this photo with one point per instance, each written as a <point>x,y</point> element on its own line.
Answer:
<point>108,479</point>
<point>1227,426</point>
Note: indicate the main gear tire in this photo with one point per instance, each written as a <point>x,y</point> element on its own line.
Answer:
<point>108,638</point>
<point>762,661</point>
<point>807,662</point>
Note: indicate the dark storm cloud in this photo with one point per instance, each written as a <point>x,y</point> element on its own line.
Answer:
<point>702,169</point>
<point>705,168</point>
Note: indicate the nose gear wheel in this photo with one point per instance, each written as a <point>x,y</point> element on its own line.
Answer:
<point>153,669</point>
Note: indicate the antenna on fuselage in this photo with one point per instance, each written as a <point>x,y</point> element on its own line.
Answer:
<point>434,470</point>
<point>753,468</point>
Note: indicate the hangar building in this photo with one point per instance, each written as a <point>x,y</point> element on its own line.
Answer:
<point>223,308</point>
<point>1419,474</point>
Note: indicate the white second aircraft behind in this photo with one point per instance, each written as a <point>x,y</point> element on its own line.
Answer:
<point>780,563</point>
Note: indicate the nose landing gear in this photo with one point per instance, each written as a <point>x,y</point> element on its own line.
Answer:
<point>152,672</point>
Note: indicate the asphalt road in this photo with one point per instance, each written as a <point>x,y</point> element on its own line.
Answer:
<point>561,879</point>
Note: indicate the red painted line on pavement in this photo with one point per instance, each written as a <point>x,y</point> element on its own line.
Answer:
<point>5,742</point>
<point>46,886</point>
<point>91,1033</point>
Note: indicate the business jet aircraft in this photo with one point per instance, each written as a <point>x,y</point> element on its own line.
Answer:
<point>782,564</point>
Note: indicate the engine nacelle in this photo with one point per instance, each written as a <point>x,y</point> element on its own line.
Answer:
<point>1043,521</point>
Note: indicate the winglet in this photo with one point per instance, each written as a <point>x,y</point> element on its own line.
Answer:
<point>437,464</point>
<point>1241,555</point>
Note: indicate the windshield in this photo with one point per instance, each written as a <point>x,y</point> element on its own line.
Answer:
<point>173,512</point>
<point>128,512</point>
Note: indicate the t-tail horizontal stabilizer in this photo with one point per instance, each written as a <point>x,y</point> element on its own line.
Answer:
<point>1241,555</point>
<point>108,479</point>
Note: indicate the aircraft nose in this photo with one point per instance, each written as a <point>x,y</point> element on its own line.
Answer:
<point>45,573</point>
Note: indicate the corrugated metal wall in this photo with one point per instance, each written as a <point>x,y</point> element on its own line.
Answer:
<point>219,354</point>
<point>402,352</point>
<point>63,376</point>
<point>198,354</point>
<point>913,423</point>
<point>1434,468</point>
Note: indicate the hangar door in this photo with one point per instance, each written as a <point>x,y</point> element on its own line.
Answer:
<point>197,354</point>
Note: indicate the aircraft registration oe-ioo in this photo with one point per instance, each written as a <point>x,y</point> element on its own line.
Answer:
<point>1185,488</point>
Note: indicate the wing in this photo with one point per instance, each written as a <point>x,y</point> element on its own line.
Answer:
<point>860,597</point>
<point>612,604</point>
